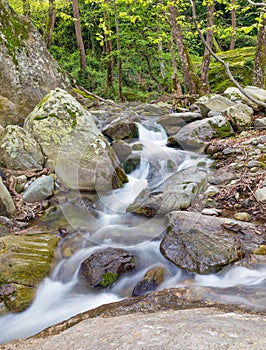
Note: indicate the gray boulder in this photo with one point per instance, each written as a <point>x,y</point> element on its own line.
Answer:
<point>40,189</point>
<point>254,91</point>
<point>73,145</point>
<point>122,150</point>
<point>103,268</point>
<point>7,207</point>
<point>194,136</point>
<point>177,192</point>
<point>19,150</point>
<point>205,244</point>
<point>173,122</point>
<point>213,103</point>
<point>240,116</point>
<point>28,71</point>
<point>260,124</point>
<point>121,127</point>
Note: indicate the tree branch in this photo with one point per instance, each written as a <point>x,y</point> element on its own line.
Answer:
<point>262,4</point>
<point>225,64</point>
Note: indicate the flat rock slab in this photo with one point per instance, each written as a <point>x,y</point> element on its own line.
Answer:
<point>206,328</point>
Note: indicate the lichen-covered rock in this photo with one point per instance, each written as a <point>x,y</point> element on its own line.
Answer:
<point>25,260</point>
<point>240,116</point>
<point>28,71</point>
<point>177,192</point>
<point>7,207</point>
<point>19,150</point>
<point>205,244</point>
<point>213,103</point>
<point>254,91</point>
<point>260,124</point>
<point>194,136</point>
<point>73,144</point>
<point>103,268</point>
<point>173,122</point>
<point>150,282</point>
<point>40,189</point>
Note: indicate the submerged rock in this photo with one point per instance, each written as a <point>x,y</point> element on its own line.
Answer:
<point>25,260</point>
<point>205,244</point>
<point>7,207</point>
<point>152,279</point>
<point>103,268</point>
<point>73,144</point>
<point>28,71</point>
<point>177,192</point>
<point>19,150</point>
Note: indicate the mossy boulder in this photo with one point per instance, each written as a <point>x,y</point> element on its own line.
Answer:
<point>19,150</point>
<point>28,71</point>
<point>240,116</point>
<point>73,145</point>
<point>25,260</point>
<point>150,282</point>
<point>195,136</point>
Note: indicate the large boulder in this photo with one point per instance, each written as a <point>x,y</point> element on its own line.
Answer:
<point>7,207</point>
<point>73,145</point>
<point>173,122</point>
<point>240,116</point>
<point>258,93</point>
<point>19,150</point>
<point>205,244</point>
<point>177,192</point>
<point>103,268</point>
<point>25,260</point>
<point>27,70</point>
<point>194,136</point>
<point>213,103</point>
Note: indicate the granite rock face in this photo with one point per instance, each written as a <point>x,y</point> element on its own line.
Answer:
<point>28,71</point>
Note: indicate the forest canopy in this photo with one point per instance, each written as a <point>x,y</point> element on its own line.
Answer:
<point>137,49</point>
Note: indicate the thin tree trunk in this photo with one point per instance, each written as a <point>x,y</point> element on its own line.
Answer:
<point>50,23</point>
<point>162,68</point>
<point>260,56</point>
<point>119,61</point>
<point>175,83</point>
<point>108,50</point>
<point>26,8</point>
<point>207,55</point>
<point>191,80</point>
<point>150,71</point>
<point>233,21</point>
<point>79,35</point>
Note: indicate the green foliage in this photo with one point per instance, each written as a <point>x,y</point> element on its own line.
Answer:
<point>108,279</point>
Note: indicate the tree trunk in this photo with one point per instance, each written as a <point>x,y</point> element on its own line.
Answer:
<point>26,8</point>
<point>175,83</point>
<point>260,56</point>
<point>191,80</point>
<point>162,68</point>
<point>150,71</point>
<point>81,48</point>
<point>108,50</point>
<point>207,55</point>
<point>233,21</point>
<point>119,61</point>
<point>50,23</point>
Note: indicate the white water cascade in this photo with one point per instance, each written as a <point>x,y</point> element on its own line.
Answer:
<point>61,295</point>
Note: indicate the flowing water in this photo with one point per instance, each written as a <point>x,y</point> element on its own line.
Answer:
<point>107,224</point>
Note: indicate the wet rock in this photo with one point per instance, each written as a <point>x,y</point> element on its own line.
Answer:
<point>194,136</point>
<point>152,279</point>
<point>172,123</point>
<point>28,71</point>
<point>19,150</point>
<point>240,116</point>
<point>260,195</point>
<point>260,124</point>
<point>121,149</point>
<point>214,103</point>
<point>25,260</point>
<point>40,189</point>
<point>73,144</point>
<point>7,207</point>
<point>131,163</point>
<point>177,192</point>
<point>104,267</point>
<point>121,130</point>
<point>206,244</point>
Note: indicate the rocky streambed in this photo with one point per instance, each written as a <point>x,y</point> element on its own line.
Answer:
<point>102,205</point>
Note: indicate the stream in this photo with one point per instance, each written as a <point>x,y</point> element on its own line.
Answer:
<point>107,224</point>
